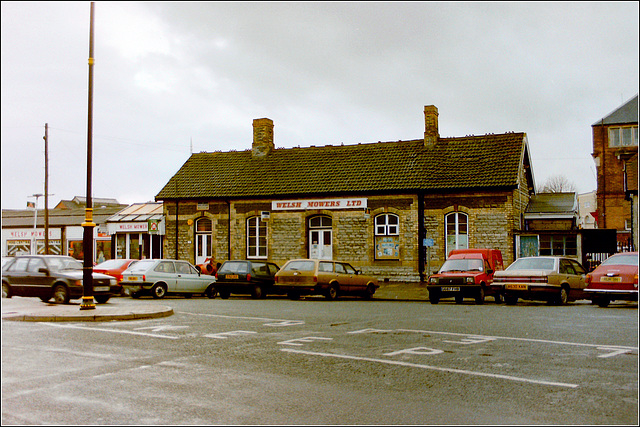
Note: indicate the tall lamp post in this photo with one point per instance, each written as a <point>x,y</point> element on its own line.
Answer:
<point>88,224</point>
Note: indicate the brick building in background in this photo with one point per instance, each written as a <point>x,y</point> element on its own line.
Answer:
<point>615,146</point>
<point>393,209</point>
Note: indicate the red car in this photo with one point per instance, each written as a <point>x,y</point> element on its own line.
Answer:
<point>114,267</point>
<point>614,279</point>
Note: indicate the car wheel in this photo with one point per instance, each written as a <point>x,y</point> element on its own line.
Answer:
<point>480,296</point>
<point>101,299</point>
<point>603,302</point>
<point>332,293</point>
<point>60,294</point>
<point>459,299</point>
<point>562,297</point>
<point>497,298</point>
<point>224,294</point>
<point>368,294</point>
<point>211,292</point>
<point>257,292</point>
<point>6,290</point>
<point>159,291</point>
<point>510,299</point>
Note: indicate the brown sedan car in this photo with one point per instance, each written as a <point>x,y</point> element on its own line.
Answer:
<point>322,277</point>
<point>548,278</point>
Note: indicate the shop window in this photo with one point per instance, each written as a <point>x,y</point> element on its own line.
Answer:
<point>256,238</point>
<point>387,235</point>
<point>558,245</point>
<point>456,226</point>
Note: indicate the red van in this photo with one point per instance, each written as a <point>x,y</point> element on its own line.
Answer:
<point>467,273</point>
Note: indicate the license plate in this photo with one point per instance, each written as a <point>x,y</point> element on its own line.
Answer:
<point>516,287</point>
<point>132,279</point>
<point>101,289</point>
<point>616,279</point>
<point>230,276</point>
<point>450,289</point>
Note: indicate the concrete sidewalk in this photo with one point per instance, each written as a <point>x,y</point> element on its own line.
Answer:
<point>124,308</point>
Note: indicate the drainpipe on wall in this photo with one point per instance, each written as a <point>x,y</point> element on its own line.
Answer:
<point>177,203</point>
<point>228,229</point>
<point>421,235</point>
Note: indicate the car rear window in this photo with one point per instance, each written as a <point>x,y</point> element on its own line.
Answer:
<point>234,267</point>
<point>300,266</point>
<point>622,260</point>
<point>532,264</point>
<point>139,266</point>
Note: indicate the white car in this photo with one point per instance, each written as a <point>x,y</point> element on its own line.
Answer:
<point>159,277</point>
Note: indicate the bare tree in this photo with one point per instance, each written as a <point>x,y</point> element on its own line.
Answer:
<point>557,184</point>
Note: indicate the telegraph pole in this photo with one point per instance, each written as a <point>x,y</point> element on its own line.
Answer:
<point>88,225</point>
<point>46,188</point>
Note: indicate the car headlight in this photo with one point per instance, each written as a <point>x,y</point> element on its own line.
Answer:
<point>433,280</point>
<point>113,282</point>
<point>469,280</point>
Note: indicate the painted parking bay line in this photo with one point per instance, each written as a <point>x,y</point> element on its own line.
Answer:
<point>115,331</point>
<point>430,367</point>
<point>270,322</point>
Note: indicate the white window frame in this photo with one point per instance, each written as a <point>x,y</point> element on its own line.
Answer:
<point>254,248</point>
<point>616,136</point>
<point>458,243</point>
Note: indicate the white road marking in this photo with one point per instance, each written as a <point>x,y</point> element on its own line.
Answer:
<point>300,341</point>
<point>488,338</point>
<point>272,322</point>
<point>429,367</point>
<point>225,335</point>
<point>115,331</point>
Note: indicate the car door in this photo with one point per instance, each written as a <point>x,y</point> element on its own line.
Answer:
<point>581,274</point>
<point>165,272</point>
<point>343,277</point>
<point>188,279</point>
<point>17,276</point>
<point>570,276</point>
<point>39,281</point>
<point>354,282</point>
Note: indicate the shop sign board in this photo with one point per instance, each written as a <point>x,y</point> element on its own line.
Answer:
<point>290,205</point>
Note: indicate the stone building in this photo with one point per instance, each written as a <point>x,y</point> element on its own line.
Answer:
<point>392,209</point>
<point>615,143</point>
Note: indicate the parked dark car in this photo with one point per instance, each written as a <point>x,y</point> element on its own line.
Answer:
<point>114,268</point>
<point>548,278</point>
<point>52,276</point>
<point>615,279</point>
<point>255,278</point>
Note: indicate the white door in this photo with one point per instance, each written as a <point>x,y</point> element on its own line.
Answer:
<point>203,248</point>
<point>320,246</point>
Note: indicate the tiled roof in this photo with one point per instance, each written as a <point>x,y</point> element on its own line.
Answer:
<point>625,114</point>
<point>486,161</point>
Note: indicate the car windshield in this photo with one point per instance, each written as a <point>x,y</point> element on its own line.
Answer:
<point>624,259</point>
<point>532,264</point>
<point>461,265</point>
<point>234,267</point>
<point>63,263</point>
<point>300,266</point>
<point>140,266</point>
<point>111,264</point>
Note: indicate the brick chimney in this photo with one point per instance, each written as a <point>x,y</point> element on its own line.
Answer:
<point>431,134</point>
<point>262,137</point>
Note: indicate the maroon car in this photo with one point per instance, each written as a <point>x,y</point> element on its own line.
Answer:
<point>114,267</point>
<point>614,279</point>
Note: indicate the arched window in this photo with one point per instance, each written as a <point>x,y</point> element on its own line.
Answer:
<point>256,237</point>
<point>387,235</point>
<point>456,228</point>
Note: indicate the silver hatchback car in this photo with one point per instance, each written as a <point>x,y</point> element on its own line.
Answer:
<point>159,277</point>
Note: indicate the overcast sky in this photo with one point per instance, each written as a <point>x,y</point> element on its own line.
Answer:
<point>176,78</point>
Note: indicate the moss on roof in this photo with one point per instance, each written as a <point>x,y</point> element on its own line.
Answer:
<point>486,161</point>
